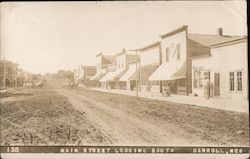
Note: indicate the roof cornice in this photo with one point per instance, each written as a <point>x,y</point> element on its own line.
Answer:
<point>150,46</point>
<point>183,28</point>
<point>232,42</point>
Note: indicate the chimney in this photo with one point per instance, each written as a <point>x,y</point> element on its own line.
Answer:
<point>220,31</point>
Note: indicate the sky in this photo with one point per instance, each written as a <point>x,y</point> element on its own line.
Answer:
<point>43,37</point>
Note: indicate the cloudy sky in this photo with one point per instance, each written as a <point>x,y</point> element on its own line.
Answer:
<point>47,36</point>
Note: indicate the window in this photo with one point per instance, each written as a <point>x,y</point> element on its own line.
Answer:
<point>231,83</point>
<point>239,81</point>
<point>167,54</point>
<point>178,51</point>
<point>235,81</point>
<point>8,71</point>
<point>198,78</point>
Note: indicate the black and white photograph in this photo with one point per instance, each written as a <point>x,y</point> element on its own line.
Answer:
<point>116,77</point>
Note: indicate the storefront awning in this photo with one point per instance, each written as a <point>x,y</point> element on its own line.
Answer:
<point>129,74</point>
<point>119,73</point>
<point>97,76</point>
<point>167,71</point>
<point>111,76</point>
<point>108,77</point>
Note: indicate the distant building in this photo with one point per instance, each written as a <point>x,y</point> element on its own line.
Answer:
<point>219,65</point>
<point>107,81</point>
<point>130,76</point>
<point>103,67</point>
<point>83,74</point>
<point>122,65</point>
<point>75,74</point>
<point>9,72</point>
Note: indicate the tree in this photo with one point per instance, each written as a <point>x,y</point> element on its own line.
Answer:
<point>65,74</point>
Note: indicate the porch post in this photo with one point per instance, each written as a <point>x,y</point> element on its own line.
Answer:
<point>4,74</point>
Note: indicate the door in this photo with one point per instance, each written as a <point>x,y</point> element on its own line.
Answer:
<point>216,84</point>
<point>207,84</point>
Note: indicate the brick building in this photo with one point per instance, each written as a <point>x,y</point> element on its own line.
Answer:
<point>9,71</point>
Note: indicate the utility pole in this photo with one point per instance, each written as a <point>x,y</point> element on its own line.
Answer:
<point>137,72</point>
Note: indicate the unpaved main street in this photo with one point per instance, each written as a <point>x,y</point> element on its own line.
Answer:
<point>122,127</point>
<point>127,120</point>
<point>62,115</point>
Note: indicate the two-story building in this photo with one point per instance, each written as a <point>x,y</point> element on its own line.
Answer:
<point>175,69</point>
<point>107,82</point>
<point>8,73</point>
<point>150,60</point>
<point>131,75</point>
<point>121,64</point>
<point>102,67</point>
<point>219,65</point>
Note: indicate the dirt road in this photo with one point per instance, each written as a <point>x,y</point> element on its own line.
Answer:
<point>121,127</point>
<point>57,115</point>
<point>125,124</point>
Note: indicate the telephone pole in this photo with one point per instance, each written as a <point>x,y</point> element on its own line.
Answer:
<point>137,72</point>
